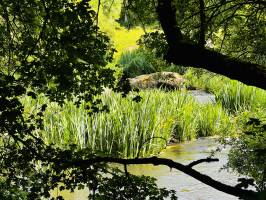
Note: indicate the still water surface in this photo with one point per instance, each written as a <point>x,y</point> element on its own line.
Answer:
<point>187,187</point>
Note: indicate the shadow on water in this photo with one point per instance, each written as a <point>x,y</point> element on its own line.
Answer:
<point>187,188</point>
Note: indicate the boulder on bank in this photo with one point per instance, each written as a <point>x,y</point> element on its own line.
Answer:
<point>163,80</point>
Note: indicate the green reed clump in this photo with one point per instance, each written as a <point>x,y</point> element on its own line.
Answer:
<point>213,120</point>
<point>136,62</point>
<point>197,120</point>
<point>132,129</point>
<point>236,96</point>
<point>233,95</point>
<point>129,129</point>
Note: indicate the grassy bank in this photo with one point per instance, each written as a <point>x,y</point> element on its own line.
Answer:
<point>234,96</point>
<point>133,129</point>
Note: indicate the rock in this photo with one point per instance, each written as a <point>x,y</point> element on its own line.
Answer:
<point>163,80</point>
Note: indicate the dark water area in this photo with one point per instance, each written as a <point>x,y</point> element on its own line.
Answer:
<point>187,188</point>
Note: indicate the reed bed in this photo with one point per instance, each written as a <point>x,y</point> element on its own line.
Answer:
<point>234,96</point>
<point>132,129</point>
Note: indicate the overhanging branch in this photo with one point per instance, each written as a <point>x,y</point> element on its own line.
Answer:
<point>202,41</point>
<point>196,162</point>
<point>244,194</point>
<point>185,53</point>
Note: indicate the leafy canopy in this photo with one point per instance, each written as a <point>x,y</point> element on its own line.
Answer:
<point>54,48</point>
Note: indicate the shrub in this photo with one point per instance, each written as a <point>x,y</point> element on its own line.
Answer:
<point>128,186</point>
<point>138,62</point>
<point>248,153</point>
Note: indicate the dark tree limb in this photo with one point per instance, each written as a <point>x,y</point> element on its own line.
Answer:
<point>202,41</point>
<point>168,21</point>
<point>196,162</point>
<point>185,53</point>
<point>242,193</point>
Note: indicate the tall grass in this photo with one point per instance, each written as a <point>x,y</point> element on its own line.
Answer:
<point>238,97</point>
<point>136,62</point>
<point>133,129</point>
<point>233,95</point>
<point>197,120</point>
<point>141,61</point>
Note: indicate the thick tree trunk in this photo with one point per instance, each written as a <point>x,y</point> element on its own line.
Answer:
<point>187,54</point>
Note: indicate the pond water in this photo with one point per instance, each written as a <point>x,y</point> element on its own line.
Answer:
<point>202,96</point>
<point>187,187</point>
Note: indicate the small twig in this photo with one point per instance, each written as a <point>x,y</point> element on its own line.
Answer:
<point>125,169</point>
<point>98,12</point>
<point>196,162</point>
<point>111,5</point>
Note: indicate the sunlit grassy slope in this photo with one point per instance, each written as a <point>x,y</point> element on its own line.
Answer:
<point>122,38</point>
<point>126,39</point>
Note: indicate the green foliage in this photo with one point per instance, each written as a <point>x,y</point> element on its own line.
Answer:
<point>242,35</point>
<point>248,153</point>
<point>11,193</point>
<point>231,27</point>
<point>155,42</point>
<point>138,62</point>
<point>127,186</point>
<point>144,61</point>
<point>39,48</point>
<point>137,12</point>
<point>52,47</point>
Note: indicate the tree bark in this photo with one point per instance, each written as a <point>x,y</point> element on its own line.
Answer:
<point>185,53</point>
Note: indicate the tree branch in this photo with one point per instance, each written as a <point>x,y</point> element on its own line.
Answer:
<point>202,41</point>
<point>196,162</point>
<point>188,54</point>
<point>168,21</point>
<point>245,194</point>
